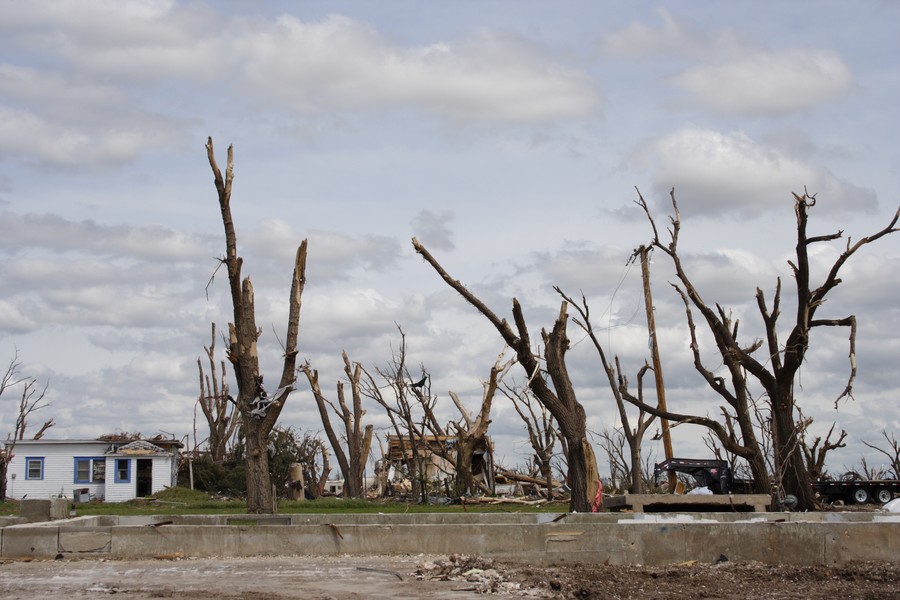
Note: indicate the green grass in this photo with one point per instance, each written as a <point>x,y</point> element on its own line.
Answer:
<point>9,508</point>
<point>183,501</point>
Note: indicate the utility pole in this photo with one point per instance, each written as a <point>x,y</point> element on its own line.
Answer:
<point>657,367</point>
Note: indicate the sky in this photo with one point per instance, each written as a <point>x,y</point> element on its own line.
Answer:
<point>509,137</point>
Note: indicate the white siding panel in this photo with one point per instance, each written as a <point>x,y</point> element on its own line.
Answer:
<point>162,473</point>
<point>120,492</point>
<point>59,470</point>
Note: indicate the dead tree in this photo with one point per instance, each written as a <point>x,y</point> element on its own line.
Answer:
<point>259,409</point>
<point>816,453</point>
<point>776,369</point>
<point>471,433</point>
<point>312,451</point>
<point>357,437</point>
<point>618,384</point>
<point>216,404</point>
<point>555,391</point>
<point>401,410</point>
<point>542,433</point>
<point>892,452</point>
<point>31,400</point>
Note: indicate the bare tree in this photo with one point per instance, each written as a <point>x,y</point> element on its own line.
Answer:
<point>776,370</point>
<point>542,433</point>
<point>471,433</point>
<point>407,413</point>
<point>614,443</point>
<point>815,453</point>
<point>357,437</point>
<point>555,391</point>
<point>892,452</point>
<point>259,410</point>
<point>618,384</point>
<point>217,405</point>
<point>31,400</point>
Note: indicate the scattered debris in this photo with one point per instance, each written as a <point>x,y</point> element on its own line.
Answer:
<point>479,573</point>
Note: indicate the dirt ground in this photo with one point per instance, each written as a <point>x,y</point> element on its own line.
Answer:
<point>430,577</point>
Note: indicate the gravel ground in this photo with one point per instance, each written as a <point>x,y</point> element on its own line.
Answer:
<point>434,577</point>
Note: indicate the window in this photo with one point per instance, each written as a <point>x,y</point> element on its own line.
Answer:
<point>34,468</point>
<point>90,470</point>
<point>123,470</point>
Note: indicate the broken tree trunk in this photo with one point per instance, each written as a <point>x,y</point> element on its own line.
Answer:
<point>259,410</point>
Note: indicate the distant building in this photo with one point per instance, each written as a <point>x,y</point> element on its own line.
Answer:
<point>436,456</point>
<point>109,469</point>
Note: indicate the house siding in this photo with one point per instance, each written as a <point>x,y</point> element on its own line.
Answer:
<point>124,491</point>
<point>59,470</point>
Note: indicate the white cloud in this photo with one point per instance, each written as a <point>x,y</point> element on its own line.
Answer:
<point>769,82</point>
<point>639,39</point>
<point>130,39</point>
<point>672,37</point>
<point>13,320</point>
<point>342,64</point>
<point>39,137</point>
<point>56,234</point>
<point>43,87</point>
<point>718,174</point>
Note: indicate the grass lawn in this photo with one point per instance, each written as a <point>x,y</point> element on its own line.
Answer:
<point>183,501</point>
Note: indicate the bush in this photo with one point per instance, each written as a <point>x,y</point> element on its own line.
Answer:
<point>228,479</point>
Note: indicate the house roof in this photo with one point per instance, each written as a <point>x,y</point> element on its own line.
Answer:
<point>138,448</point>
<point>157,442</point>
<point>54,442</point>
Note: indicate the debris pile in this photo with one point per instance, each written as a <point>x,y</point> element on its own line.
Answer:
<point>478,575</point>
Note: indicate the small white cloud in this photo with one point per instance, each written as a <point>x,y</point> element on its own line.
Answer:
<point>13,321</point>
<point>715,174</point>
<point>640,39</point>
<point>768,83</point>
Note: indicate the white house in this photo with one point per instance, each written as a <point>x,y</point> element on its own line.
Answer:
<point>110,470</point>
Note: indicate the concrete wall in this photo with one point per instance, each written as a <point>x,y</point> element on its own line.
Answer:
<point>532,538</point>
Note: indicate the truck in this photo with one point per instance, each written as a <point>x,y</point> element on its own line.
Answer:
<point>718,477</point>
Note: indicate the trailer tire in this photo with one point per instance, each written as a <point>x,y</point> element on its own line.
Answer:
<point>860,495</point>
<point>884,495</point>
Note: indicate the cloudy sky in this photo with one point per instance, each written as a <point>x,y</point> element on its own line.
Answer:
<point>508,136</point>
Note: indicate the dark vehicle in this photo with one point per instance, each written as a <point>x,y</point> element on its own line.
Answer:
<point>719,478</point>
<point>710,473</point>
<point>857,491</point>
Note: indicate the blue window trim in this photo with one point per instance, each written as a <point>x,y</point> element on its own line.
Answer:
<point>28,460</point>
<point>127,478</point>
<point>90,460</point>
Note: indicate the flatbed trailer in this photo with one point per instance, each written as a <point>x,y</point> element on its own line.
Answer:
<point>718,477</point>
<point>858,491</point>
